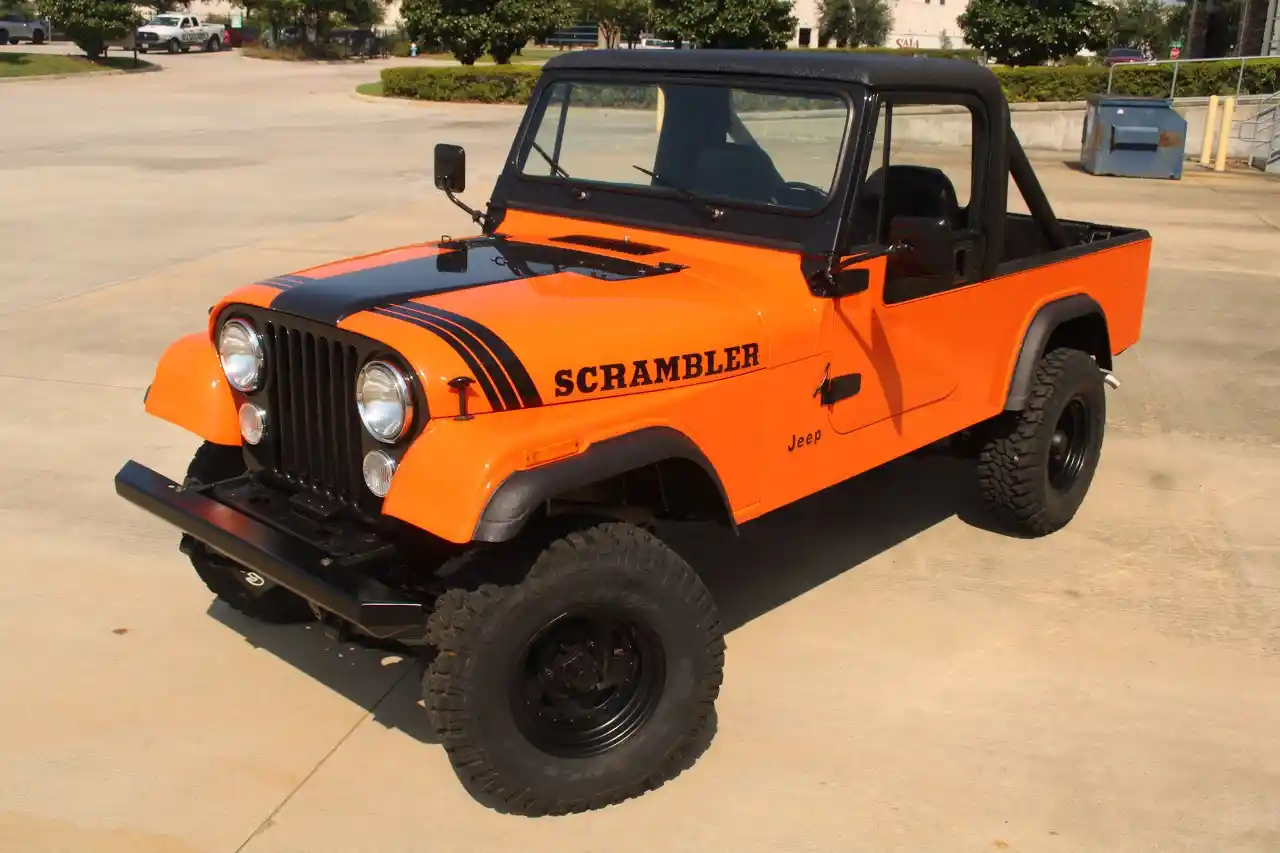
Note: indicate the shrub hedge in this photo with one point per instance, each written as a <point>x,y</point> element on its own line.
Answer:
<point>514,84</point>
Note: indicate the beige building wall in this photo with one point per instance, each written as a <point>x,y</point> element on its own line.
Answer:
<point>916,23</point>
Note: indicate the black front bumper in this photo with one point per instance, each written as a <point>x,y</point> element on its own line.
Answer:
<point>281,558</point>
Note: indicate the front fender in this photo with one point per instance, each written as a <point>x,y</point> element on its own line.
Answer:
<point>480,479</point>
<point>190,391</point>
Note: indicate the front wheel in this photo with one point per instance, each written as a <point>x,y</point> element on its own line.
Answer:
<point>1036,465</point>
<point>590,681</point>
<point>38,37</point>
<point>174,46</point>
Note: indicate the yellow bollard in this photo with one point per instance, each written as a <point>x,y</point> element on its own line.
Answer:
<point>1210,128</point>
<point>662,108</point>
<point>1228,108</point>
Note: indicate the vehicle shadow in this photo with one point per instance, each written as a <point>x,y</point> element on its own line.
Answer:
<point>793,550</point>
<point>775,559</point>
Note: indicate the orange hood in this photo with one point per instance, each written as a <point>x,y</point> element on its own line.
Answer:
<point>535,323</point>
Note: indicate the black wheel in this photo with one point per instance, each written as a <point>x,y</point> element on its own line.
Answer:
<point>591,680</point>
<point>276,605</point>
<point>4,36</point>
<point>1037,464</point>
<point>37,37</point>
<point>174,46</point>
<point>142,50</point>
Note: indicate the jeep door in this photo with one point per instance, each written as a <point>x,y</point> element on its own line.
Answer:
<point>915,233</point>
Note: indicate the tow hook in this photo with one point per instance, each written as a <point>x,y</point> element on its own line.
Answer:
<point>1109,379</point>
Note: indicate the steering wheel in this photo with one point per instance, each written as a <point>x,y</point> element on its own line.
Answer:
<point>805,195</point>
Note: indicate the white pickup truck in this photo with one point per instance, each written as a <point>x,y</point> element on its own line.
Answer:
<point>16,28</point>
<point>178,32</point>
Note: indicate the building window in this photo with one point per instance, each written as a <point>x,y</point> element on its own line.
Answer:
<point>806,35</point>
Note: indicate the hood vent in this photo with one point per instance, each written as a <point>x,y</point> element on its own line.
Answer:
<point>610,244</point>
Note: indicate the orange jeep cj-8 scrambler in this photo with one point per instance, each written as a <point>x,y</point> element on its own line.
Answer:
<point>708,284</point>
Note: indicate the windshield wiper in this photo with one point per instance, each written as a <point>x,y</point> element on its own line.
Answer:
<point>671,185</point>
<point>555,167</point>
<point>683,192</point>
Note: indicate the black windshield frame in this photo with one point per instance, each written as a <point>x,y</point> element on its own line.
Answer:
<point>808,231</point>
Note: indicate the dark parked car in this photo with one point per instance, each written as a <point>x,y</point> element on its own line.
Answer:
<point>1118,55</point>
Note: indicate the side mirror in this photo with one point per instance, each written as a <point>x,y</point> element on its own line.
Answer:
<point>451,168</point>
<point>924,247</point>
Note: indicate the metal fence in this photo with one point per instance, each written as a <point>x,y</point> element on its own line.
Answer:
<point>1178,63</point>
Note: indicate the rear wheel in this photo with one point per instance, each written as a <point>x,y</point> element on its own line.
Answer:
<point>213,45</point>
<point>1036,465</point>
<point>37,37</point>
<point>590,681</point>
<point>223,576</point>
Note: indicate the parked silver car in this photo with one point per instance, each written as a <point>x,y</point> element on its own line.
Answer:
<point>16,28</point>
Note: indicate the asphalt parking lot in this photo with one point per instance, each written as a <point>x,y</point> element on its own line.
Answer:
<point>899,678</point>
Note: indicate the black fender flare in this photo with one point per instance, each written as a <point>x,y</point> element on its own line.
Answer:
<point>1050,316</point>
<point>520,495</point>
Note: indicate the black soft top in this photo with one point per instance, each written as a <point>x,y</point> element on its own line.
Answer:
<point>876,70</point>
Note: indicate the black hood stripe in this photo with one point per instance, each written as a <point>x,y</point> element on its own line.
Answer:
<point>529,396</point>
<point>444,327</point>
<point>461,265</point>
<point>486,385</point>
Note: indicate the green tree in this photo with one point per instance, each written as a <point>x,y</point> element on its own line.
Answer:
<point>872,21</point>
<point>469,28</point>
<point>761,24</point>
<point>618,19</point>
<point>1141,24</point>
<point>91,24</point>
<point>835,21</point>
<point>1033,32</point>
<point>854,23</point>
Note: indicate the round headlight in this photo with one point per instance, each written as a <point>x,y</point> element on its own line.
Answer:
<point>240,351</point>
<point>382,396</point>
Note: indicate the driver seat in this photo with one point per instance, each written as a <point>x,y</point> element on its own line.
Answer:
<point>913,191</point>
<point>736,171</point>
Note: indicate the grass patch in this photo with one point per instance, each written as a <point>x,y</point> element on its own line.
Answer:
<point>374,88</point>
<point>44,64</point>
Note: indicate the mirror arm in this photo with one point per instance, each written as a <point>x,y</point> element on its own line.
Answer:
<point>476,216</point>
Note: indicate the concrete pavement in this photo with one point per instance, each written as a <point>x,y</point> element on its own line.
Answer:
<point>898,677</point>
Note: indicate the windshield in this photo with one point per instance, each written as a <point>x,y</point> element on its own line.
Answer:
<point>165,21</point>
<point>750,146</point>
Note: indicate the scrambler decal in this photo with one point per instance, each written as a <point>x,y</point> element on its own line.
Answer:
<point>655,371</point>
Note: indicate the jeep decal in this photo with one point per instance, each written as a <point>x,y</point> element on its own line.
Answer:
<point>655,371</point>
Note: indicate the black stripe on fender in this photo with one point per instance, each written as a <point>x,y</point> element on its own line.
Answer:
<point>529,396</point>
<point>490,394</point>
<point>500,381</point>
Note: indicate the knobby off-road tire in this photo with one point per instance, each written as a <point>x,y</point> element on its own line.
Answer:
<point>502,658</point>
<point>278,606</point>
<point>1036,466</point>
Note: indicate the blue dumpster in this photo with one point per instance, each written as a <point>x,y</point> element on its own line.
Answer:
<point>1133,137</point>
